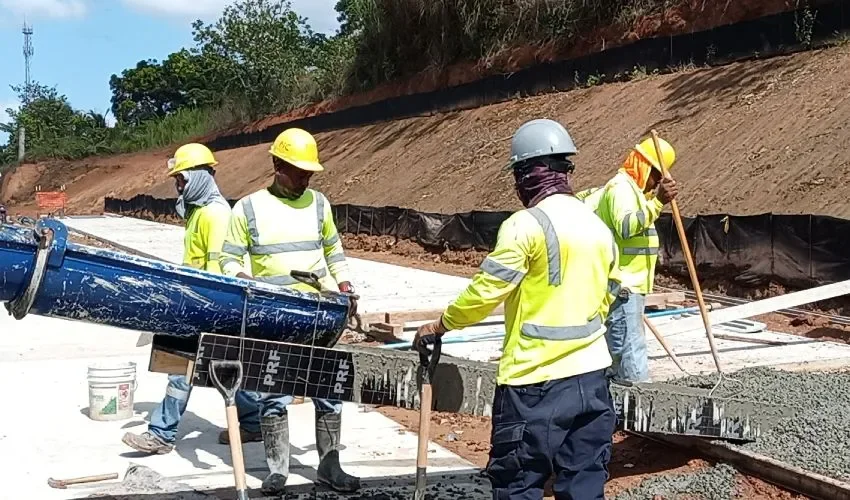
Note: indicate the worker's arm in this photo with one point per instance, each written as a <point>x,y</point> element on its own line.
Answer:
<point>501,272</point>
<point>332,245</point>
<point>614,279</point>
<point>235,245</point>
<point>212,227</point>
<point>629,215</point>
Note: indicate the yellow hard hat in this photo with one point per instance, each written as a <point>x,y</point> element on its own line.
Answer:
<point>298,147</point>
<point>647,150</point>
<point>190,156</point>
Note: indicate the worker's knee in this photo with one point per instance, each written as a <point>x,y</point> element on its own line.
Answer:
<point>178,388</point>
<point>274,405</point>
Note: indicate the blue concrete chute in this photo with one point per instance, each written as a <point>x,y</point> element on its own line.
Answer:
<point>42,273</point>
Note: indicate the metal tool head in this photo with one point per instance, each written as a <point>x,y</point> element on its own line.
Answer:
<point>227,378</point>
<point>307,278</point>
<point>428,362</point>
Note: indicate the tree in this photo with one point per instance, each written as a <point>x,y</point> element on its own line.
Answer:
<point>259,51</point>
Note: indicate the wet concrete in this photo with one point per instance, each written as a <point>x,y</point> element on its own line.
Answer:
<point>712,483</point>
<point>817,437</point>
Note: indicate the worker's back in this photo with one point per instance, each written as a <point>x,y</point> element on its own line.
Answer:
<point>555,317</point>
<point>206,228</point>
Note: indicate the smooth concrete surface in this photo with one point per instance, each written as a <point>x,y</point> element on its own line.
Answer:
<point>46,431</point>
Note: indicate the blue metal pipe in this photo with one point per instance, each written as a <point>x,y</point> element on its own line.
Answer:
<point>112,288</point>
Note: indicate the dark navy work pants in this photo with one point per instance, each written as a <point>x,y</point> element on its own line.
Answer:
<point>565,426</point>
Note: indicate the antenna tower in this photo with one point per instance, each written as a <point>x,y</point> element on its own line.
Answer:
<point>28,52</point>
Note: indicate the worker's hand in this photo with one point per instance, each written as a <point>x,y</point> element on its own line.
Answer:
<point>667,190</point>
<point>243,276</point>
<point>427,335</point>
<point>346,287</point>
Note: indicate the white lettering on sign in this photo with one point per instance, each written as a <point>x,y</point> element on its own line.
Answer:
<point>271,368</point>
<point>341,376</point>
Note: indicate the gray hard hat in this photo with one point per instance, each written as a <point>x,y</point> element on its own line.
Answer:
<point>540,137</point>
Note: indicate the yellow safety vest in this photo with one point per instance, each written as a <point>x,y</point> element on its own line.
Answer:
<point>555,267</point>
<point>282,235</point>
<point>631,217</point>
<point>206,229</point>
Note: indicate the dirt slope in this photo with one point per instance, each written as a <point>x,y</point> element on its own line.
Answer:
<point>754,137</point>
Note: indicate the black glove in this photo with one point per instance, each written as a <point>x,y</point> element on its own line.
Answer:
<point>427,335</point>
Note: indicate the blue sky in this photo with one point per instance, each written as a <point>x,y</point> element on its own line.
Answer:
<point>79,44</point>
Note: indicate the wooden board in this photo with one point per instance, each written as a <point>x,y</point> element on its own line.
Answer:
<point>759,307</point>
<point>166,362</point>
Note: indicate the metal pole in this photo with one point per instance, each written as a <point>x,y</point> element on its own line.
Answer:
<point>22,139</point>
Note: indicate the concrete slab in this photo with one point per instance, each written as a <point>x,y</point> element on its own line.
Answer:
<point>49,434</point>
<point>386,287</point>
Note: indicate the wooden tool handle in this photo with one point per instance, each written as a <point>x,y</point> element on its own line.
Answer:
<point>677,218</point>
<point>236,448</point>
<point>422,451</point>
<point>664,344</point>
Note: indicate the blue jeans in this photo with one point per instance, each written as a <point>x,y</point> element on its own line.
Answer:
<point>626,339</point>
<point>563,426</point>
<point>166,417</point>
<point>272,405</point>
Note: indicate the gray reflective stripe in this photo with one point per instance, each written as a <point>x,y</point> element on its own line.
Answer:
<point>624,229</point>
<point>650,232</point>
<point>615,254</point>
<point>640,251</point>
<point>332,240</point>
<point>562,332</point>
<point>320,209</point>
<point>248,208</point>
<point>641,217</point>
<point>286,279</point>
<point>296,246</point>
<point>493,268</point>
<point>213,256</point>
<point>334,258</point>
<point>234,249</point>
<point>613,287</point>
<point>553,247</point>
<point>229,260</point>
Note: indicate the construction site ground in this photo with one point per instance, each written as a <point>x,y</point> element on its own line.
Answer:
<point>752,137</point>
<point>459,443</point>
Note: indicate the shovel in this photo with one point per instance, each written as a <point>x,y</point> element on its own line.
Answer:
<point>426,373</point>
<point>227,377</point>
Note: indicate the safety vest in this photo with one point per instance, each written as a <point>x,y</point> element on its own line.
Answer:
<point>281,235</point>
<point>555,267</point>
<point>204,237</point>
<point>631,218</point>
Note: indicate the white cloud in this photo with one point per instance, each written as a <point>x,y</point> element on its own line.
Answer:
<point>320,13</point>
<point>46,8</point>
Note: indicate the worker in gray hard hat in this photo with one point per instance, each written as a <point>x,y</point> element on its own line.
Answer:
<point>554,266</point>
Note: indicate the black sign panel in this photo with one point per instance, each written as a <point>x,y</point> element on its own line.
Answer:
<point>279,368</point>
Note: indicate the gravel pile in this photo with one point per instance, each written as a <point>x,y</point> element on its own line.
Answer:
<point>712,483</point>
<point>818,437</point>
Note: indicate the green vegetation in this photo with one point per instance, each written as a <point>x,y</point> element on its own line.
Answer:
<point>261,58</point>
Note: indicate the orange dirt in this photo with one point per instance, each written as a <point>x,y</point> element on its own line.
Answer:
<point>763,136</point>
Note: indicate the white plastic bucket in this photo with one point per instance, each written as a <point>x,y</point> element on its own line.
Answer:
<point>111,388</point>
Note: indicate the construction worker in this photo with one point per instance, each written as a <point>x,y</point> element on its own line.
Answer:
<point>554,265</point>
<point>282,228</point>
<point>626,205</point>
<point>207,215</point>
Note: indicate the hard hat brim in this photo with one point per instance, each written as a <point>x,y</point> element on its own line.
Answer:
<point>175,171</point>
<point>310,166</point>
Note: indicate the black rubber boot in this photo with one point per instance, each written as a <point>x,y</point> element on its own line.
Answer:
<point>275,431</point>
<point>330,473</point>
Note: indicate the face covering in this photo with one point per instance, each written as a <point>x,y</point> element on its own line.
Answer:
<point>200,191</point>
<point>637,168</point>
<point>537,181</point>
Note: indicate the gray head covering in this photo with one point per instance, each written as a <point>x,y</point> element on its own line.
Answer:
<point>200,190</point>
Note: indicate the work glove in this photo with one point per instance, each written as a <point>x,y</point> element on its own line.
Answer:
<point>346,287</point>
<point>427,335</point>
<point>667,190</point>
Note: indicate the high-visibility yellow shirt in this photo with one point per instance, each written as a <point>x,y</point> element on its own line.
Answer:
<point>281,235</point>
<point>555,267</point>
<point>631,216</point>
<point>206,229</point>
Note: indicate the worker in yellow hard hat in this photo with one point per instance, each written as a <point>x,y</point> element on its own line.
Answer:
<point>629,204</point>
<point>282,228</point>
<point>207,215</point>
